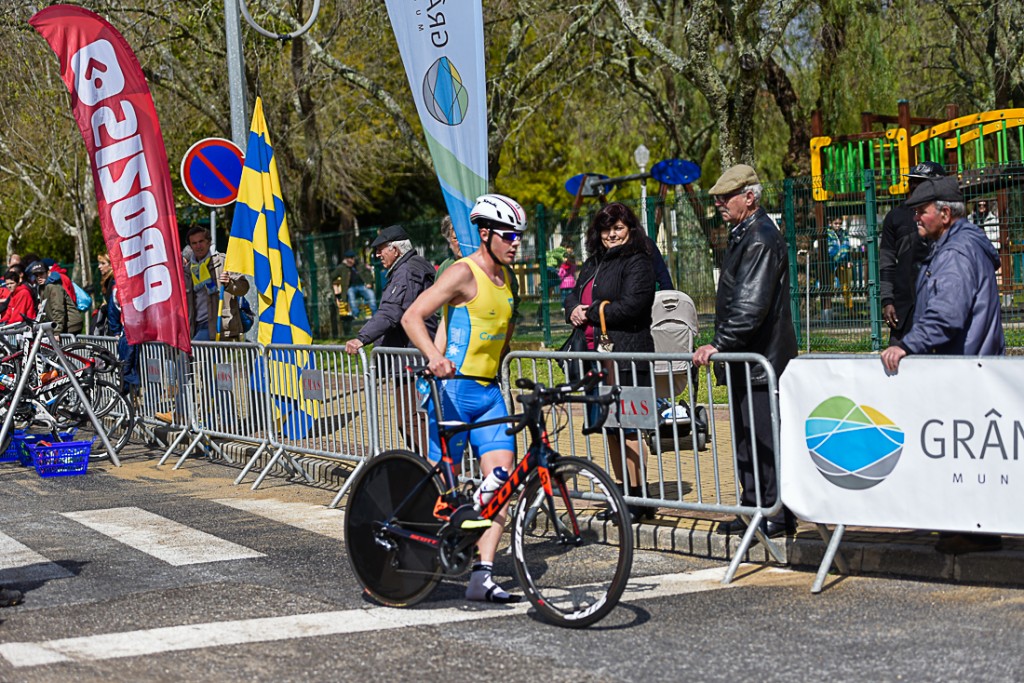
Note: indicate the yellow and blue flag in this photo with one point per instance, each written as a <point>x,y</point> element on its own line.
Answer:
<point>261,246</point>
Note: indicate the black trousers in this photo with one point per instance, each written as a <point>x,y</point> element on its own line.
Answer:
<point>754,429</point>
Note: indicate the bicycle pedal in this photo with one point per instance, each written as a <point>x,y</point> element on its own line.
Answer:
<point>467,518</point>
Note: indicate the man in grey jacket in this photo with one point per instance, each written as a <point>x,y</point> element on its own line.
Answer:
<point>408,275</point>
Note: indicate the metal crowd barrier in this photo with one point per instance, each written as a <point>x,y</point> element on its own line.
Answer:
<point>226,402</point>
<point>678,469</point>
<point>318,403</point>
<point>164,373</point>
<point>400,407</point>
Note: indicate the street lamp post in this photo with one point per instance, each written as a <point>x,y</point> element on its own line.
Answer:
<point>641,155</point>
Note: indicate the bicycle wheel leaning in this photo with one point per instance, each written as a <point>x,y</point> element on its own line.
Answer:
<point>572,567</point>
<point>114,412</point>
<point>395,487</point>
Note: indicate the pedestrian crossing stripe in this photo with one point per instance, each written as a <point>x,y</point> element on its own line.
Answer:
<point>167,540</point>
<point>147,642</point>
<point>317,519</point>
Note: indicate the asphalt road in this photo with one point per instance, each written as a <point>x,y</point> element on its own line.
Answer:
<point>140,574</point>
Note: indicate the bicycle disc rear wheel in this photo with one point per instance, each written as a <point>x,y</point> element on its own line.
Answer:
<point>396,487</point>
<point>572,566</point>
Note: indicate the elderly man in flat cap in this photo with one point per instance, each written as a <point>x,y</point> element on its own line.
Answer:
<point>957,311</point>
<point>409,274</point>
<point>752,315</point>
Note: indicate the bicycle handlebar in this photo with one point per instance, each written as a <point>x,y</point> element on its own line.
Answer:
<point>545,396</point>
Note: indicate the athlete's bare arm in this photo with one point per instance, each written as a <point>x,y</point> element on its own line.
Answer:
<point>457,285</point>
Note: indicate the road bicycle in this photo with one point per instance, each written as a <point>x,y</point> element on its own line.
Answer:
<point>404,517</point>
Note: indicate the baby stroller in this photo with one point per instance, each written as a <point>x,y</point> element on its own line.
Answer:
<point>674,327</point>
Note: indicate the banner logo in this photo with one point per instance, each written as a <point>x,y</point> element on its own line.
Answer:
<point>854,447</point>
<point>444,95</point>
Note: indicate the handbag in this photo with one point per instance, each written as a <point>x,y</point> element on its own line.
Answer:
<point>604,342</point>
<point>577,341</point>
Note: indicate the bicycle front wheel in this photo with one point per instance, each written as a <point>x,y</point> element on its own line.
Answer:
<point>113,411</point>
<point>572,567</point>
<point>400,489</point>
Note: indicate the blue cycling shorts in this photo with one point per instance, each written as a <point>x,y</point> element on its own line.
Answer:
<point>469,401</point>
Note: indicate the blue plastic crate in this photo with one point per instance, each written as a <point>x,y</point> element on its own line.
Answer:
<point>61,459</point>
<point>13,452</point>
<point>20,441</point>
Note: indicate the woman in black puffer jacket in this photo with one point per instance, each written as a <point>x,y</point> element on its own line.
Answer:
<point>618,274</point>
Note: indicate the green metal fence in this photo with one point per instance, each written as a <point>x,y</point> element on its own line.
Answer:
<point>833,273</point>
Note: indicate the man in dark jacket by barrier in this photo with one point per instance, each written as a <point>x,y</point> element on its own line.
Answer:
<point>752,315</point>
<point>900,254</point>
<point>409,274</point>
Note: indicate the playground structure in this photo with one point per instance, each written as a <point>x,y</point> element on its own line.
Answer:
<point>983,149</point>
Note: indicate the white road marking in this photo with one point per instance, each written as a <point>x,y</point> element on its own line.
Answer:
<point>174,543</point>
<point>19,563</point>
<point>316,518</point>
<point>218,634</point>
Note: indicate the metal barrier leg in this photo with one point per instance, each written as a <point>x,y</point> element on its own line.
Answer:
<point>348,482</point>
<point>252,461</point>
<point>174,444</point>
<point>191,446</point>
<point>266,470</point>
<point>831,554</point>
<point>748,537</point>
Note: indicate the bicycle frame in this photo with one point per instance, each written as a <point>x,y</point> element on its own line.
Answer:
<point>539,456</point>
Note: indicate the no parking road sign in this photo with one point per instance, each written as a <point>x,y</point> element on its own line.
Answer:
<point>211,171</point>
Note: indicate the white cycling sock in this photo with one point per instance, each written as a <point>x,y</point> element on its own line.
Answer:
<point>483,588</point>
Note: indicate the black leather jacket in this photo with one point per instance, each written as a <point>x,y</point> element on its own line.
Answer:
<point>752,313</point>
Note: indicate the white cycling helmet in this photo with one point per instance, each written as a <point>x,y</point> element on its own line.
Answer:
<point>497,208</point>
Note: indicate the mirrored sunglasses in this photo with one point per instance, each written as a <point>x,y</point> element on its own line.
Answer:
<point>509,236</point>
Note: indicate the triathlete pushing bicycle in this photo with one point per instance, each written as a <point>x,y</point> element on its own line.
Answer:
<point>478,323</point>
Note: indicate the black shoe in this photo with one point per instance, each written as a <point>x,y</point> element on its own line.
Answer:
<point>736,527</point>
<point>10,597</point>
<point>641,512</point>
<point>775,529</point>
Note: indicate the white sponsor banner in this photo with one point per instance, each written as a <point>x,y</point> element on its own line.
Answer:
<point>938,446</point>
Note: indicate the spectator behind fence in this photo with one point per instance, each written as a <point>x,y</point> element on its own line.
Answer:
<point>354,276</point>
<point>957,311</point>
<point>55,303</point>
<point>618,278</point>
<point>752,315</point>
<point>204,276</point>
<point>22,302</point>
<point>900,255</point>
<point>567,274</point>
<point>408,275</point>
<point>448,232</point>
<point>986,218</point>
<point>104,291</point>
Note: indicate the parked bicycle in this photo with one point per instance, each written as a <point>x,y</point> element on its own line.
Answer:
<point>404,515</point>
<point>49,400</point>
